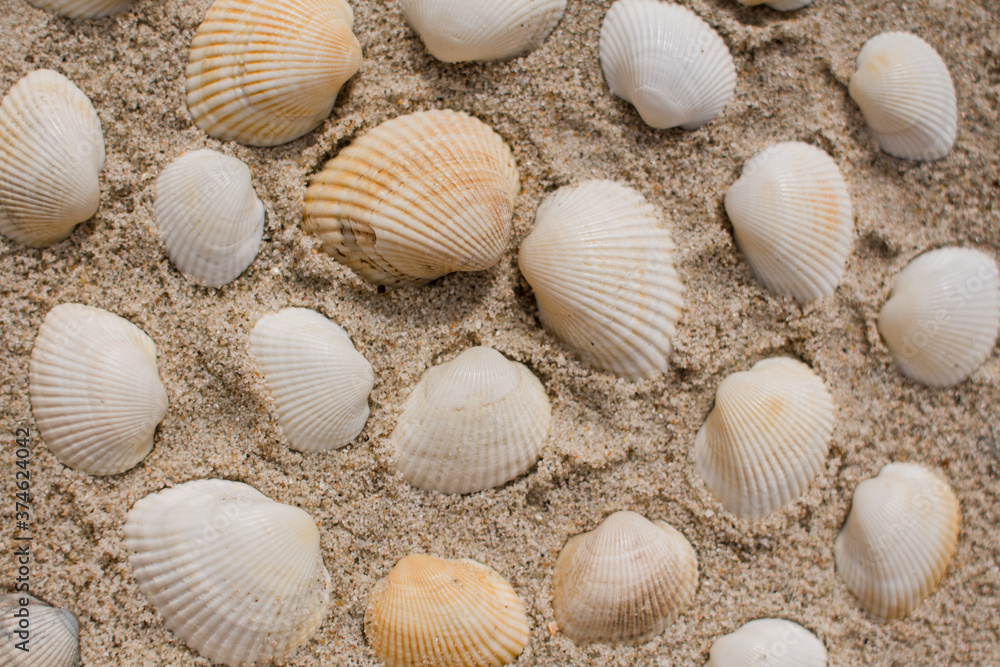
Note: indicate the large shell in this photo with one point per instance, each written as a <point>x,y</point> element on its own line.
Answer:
<point>237,576</point>
<point>942,318</point>
<point>95,391</point>
<point>264,72</point>
<point>623,582</point>
<point>599,262</point>
<point>446,613</point>
<point>768,642</point>
<point>84,9</point>
<point>667,62</point>
<point>898,539</point>
<point>51,638</point>
<point>419,196</point>
<point>51,156</point>
<point>791,216</point>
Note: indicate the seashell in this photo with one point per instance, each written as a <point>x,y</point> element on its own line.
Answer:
<point>419,196</point>
<point>457,31</point>
<point>942,318</point>
<point>319,381</point>
<point>624,582</point>
<point>780,5</point>
<point>51,156</point>
<point>791,216</point>
<point>768,642</point>
<point>906,96</point>
<point>898,539</point>
<point>265,72</point>
<point>446,613</point>
<point>84,9</point>
<point>666,62</point>
<point>51,639</point>
<point>95,391</point>
<point>599,262</point>
<point>238,577</point>
<point>473,423</point>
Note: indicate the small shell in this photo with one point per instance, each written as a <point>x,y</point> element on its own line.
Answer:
<point>768,642</point>
<point>599,262</point>
<point>791,215</point>
<point>667,62</point>
<point>623,582</point>
<point>51,156</point>
<point>446,613</point>
<point>238,577</point>
<point>943,317</point>
<point>84,9</point>
<point>780,5</point>
<point>319,381</point>
<point>906,96</point>
<point>95,391</point>
<point>419,196</point>
<point>898,539</point>
<point>52,638</point>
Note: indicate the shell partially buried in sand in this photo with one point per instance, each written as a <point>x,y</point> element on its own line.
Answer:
<point>768,642</point>
<point>34,634</point>
<point>84,9</point>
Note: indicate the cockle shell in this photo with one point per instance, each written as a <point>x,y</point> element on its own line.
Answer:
<point>319,381</point>
<point>265,72</point>
<point>51,156</point>
<point>50,636</point>
<point>84,9</point>
<point>419,196</point>
<point>768,642</point>
<point>446,613</point>
<point>943,316</point>
<point>667,62</point>
<point>623,582</point>
<point>780,5</point>
<point>95,391</point>
<point>238,577</point>
<point>898,539</point>
<point>791,216</point>
<point>599,262</point>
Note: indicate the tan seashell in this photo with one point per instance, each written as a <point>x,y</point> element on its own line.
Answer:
<point>51,637</point>
<point>84,9</point>
<point>768,642</point>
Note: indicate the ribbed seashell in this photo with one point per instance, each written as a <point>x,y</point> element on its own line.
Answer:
<point>84,9</point>
<point>472,423</point>
<point>51,156</point>
<point>943,316</point>
<point>446,613</point>
<point>419,196</point>
<point>319,381</point>
<point>791,216</point>
<point>51,638</point>
<point>95,390</point>
<point>780,5</point>
<point>623,582</point>
<point>599,262</point>
<point>898,539</point>
<point>238,577</point>
<point>768,642</point>
<point>906,96</point>
<point>265,72</point>
<point>667,62</point>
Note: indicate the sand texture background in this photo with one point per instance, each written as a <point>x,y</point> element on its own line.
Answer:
<point>614,444</point>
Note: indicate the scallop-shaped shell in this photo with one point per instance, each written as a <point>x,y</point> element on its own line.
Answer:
<point>462,30</point>
<point>472,423</point>
<point>791,215</point>
<point>419,196</point>
<point>264,72</point>
<point>238,577</point>
<point>446,613</point>
<point>95,391</point>
<point>898,539</point>
<point>51,639</point>
<point>906,96</point>
<point>768,642</point>
<point>84,9</point>
<point>780,5</point>
<point>623,582</point>
<point>51,156</point>
<point>319,381</point>
<point>667,62</point>
<point>942,319</point>
<point>599,262</point>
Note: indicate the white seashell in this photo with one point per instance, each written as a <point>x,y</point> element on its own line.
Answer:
<point>791,215</point>
<point>50,639</point>
<point>768,642</point>
<point>238,577</point>
<point>265,72</point>
<point>319,381</point>
<point>51,156</point>
<point>623,582</point>
<point>898,539</point>
<point>473,423</point>
<point>599,262</point>
<point>906,96</point>
<point>95,391</point>
<point>780,5</point>
<point>667,62</point>
<point>943,316</point>
<point>419,196</point>
<point>84,9</point>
